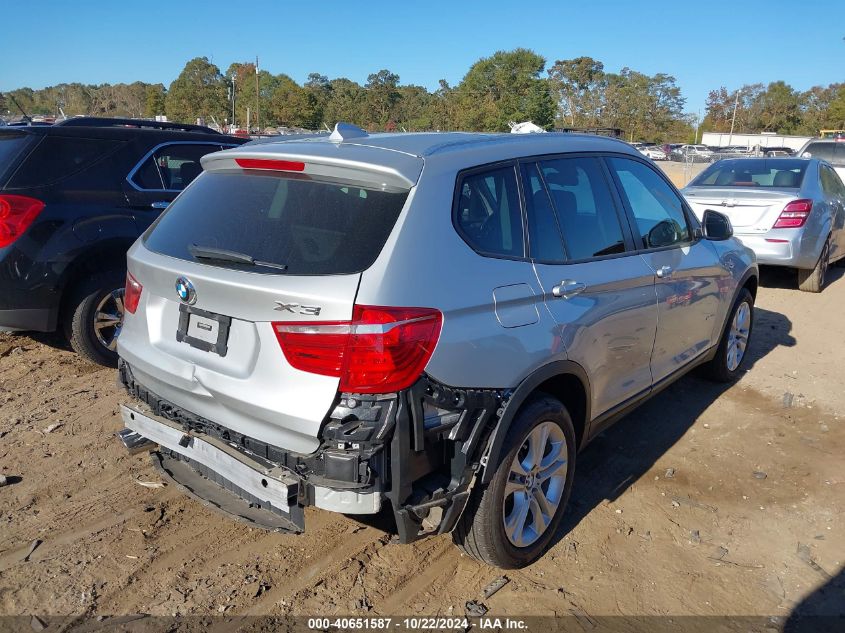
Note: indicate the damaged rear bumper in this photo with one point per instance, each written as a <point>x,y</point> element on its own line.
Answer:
<point>419,450</point>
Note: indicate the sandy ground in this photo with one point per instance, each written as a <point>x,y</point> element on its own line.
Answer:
<point>748,521</point>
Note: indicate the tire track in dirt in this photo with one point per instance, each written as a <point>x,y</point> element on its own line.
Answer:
<point>12,557</point>
<point>358,544</point>
<point>438,563</point>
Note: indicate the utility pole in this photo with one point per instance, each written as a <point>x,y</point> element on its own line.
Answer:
<point>733,119</point>
<point>257,100</point>
<point>697,125</point>
<point>233,101</point>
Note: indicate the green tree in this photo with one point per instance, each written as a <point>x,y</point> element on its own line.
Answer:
<point>578,86</point>
<point>382,96</point>
<point>293,106</point>
<point>319,92</point>
<point>414,110</point>
<point>835,115</point>
<point>777,109</point>
<point>347,103</point>
<point>154,101</point>
<point>198,92</point>
<point>502,88</point>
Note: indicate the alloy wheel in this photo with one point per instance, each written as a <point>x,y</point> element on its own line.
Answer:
<point>108,319</point>
<point>535,484</point>
<point>738,336</point>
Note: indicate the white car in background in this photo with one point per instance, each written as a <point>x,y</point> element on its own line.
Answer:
<point>653,152</point>
<point>696,153</point>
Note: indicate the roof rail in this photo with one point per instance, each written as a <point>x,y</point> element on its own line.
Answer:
<point>92,121</point>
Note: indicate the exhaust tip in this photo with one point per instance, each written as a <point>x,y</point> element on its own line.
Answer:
<point>134,442</point>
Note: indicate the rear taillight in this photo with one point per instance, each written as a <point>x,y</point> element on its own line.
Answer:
<point>380,350</point>
<point>16,214</point>
<point>794,215</point>
<point>133,294</point>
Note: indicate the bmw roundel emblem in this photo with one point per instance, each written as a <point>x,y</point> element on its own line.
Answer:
<point>186,291</point>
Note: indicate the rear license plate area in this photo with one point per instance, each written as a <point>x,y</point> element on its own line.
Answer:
<point>203,330</point>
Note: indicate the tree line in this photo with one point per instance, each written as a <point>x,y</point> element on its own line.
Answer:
<point>508,86</point>
<point>777,107</point>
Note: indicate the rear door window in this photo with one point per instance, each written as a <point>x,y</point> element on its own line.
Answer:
<point>57,157</point>
<point>488,214</point>
<point>544,240</point>
<point>585,209</point>
<point>313,227</point>
<point>12,145</point>
<point>171,167</point>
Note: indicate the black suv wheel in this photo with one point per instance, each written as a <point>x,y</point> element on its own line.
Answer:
<point>95,316</point>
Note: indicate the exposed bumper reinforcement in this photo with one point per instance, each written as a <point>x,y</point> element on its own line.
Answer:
<point>273,488</point>
<point>216,495</point>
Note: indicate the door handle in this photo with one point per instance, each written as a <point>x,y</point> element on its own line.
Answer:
<point>568,288</point>
<point>162,204</point>
<point>664,272</point>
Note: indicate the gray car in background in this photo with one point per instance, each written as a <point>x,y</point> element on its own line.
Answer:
<point>789,211</point>
<point>430,323</point>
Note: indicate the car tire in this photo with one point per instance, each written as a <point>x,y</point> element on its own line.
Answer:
<point>813,280</point>
<point>733,347</point>
<point>517,490</point>
<point>88,326</point>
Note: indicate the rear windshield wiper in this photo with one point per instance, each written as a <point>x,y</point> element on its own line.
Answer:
<point>222,255</point>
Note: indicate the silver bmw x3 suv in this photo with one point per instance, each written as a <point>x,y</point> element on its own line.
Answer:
<point>429,324</point>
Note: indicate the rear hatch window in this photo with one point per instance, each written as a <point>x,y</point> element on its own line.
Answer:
<point>306,225</point>
<point>12,145</point>
<point>57,157</point>
<point>832,152</point>
<point>753,172</point>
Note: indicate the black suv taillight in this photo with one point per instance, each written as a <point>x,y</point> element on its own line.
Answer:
<point>16,214</point>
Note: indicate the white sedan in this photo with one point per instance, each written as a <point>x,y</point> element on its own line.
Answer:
<point>653,152</point>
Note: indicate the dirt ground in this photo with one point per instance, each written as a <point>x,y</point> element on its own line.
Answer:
<point>681,173</point>
<point>706,501</point>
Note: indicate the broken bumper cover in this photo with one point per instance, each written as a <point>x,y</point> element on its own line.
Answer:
<point>274,489</point>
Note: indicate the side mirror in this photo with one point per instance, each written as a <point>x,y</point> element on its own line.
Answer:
<point>717,226</point>
<point>664,233</point>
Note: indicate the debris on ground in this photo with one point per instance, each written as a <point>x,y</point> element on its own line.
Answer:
<point>758,474</point>
<point>150,484</point>
<point>805,555</point>
<point>678,500</point>
<point>494,586</point>
<point>52,427</point>
<point>32,548</point>
<point>670,473</point>
<point>475,609</point>
<point>787,400</point>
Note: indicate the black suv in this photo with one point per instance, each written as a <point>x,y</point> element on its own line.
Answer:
<point>73,197</point>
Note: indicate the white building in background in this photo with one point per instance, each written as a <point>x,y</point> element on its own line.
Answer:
<point>723,139</point>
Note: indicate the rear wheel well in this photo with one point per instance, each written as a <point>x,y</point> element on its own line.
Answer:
<point>569,389</point>
<point>99,260</point>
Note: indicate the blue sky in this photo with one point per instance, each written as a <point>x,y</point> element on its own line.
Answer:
<point>703,44</point>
